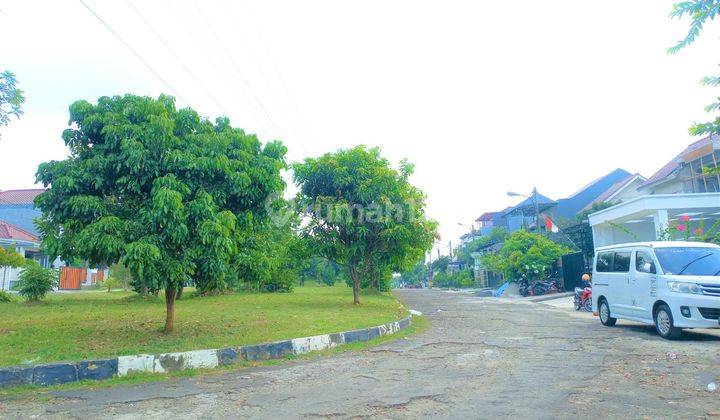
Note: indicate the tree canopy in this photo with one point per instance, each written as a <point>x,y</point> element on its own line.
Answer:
<point>11,98</point>
<point>161,190</point>
<point>525,253</point>
<point>699,11</point>
<point>363,214</point>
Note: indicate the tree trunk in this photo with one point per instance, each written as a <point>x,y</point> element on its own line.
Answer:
<point>356,285</point>
<point>179,292</point>
<point>143,289</point>
<point>170,294</point>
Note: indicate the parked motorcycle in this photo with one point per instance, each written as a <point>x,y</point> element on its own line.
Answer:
<point>537,287</point>
<point>544,287</point>
<point>583,295</point>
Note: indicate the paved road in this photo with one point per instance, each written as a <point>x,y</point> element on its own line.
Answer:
<point>481,358</point>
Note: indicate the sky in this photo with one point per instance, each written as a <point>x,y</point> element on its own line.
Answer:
<point>484,97</point>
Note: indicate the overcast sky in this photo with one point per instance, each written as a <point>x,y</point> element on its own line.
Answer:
<point>483,96</point>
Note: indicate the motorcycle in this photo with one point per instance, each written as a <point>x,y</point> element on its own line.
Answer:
<point>537,287</point>
<point>541,287</point>
<point>583,296</point>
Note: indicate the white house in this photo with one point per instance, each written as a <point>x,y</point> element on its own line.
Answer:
<point>680,190</point>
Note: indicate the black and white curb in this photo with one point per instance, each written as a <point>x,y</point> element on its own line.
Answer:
<point>59,373</point>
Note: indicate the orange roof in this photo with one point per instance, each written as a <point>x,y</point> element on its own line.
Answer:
<point>20,196</point>
<point>8,231</point>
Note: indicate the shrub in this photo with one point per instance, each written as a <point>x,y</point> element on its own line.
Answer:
<point>35,281</point>
<point>6,297</point>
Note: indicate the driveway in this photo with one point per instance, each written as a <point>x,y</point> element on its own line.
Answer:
<point>481,358</point>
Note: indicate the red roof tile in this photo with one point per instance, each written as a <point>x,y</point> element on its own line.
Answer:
<point>8,231</point>
<point>19,196</point>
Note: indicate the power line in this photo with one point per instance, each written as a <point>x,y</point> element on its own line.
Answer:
<point>237,69</point>
<point>263,42</point>
<point>213,63</point>
<point>267,81</point>
<point>132,50</point>
<point>162,40</point>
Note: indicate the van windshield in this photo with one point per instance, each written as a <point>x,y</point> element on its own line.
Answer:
<point>689,261</point>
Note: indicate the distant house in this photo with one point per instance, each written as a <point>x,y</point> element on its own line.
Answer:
<point>23,242</point>
<point>17,208</point>
<point>682,188</point>
<point>17,229</point>
<point>523,214</point>
<point>622,190</point>
<point>568,207</point>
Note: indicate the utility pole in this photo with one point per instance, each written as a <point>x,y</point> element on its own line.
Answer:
<point>537,211</point>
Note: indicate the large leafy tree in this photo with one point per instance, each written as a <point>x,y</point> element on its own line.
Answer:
<point>160,190</point>
<point>362,213</point>
<point>525,253</point>
<point>699,11</point>
<point>11,98</point>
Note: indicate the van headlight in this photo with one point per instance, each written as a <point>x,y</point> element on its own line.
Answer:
<point>681,287</point>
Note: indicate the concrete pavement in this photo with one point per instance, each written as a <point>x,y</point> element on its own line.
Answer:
<point>481,358</point>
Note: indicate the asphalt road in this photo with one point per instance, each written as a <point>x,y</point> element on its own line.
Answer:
<point>481,358</point>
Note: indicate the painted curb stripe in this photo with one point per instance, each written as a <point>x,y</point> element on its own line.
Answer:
<point>58,373</point>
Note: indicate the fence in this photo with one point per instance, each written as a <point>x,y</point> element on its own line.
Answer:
<point>71,278</point>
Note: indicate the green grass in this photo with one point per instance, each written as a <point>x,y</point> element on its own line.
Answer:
<point>38,393</point>
<point>85,325</point>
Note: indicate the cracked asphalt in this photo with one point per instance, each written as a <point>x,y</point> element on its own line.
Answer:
<point>480,358</point>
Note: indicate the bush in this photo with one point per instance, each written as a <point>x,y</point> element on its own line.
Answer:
<point>6,297</point>
<point>113,282</point>
<point>35,281</point>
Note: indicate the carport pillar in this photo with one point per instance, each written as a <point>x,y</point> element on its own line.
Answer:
<point>660,218</point>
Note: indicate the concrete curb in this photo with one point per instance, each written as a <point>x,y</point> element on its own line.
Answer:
<point>60,373</point>
<point>552,296</point>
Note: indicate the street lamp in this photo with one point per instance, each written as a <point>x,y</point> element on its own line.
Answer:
<point>535,202</point>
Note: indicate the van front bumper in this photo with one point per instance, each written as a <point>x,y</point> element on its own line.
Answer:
<point>704,311</point>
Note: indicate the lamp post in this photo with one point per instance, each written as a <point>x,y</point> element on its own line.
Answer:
<point>533,195</point>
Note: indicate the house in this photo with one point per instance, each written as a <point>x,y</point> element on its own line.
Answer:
<point>523,215</point>
<point>23,242</point>
<point>595,191</point>
<point>18,230</point>
<point>622,190</point>
<point>680,190</point>
<point>17,208</point>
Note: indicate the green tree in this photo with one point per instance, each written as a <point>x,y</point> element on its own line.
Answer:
<point>362,213</point>
<point>120,277</point>
<point>699,11</point>
<point>440,265</point>
<point>34,281</point>
<point>415,275</point>
<point>9,259</point>
<point>160,190</point>
<point>11,98</point>
<point>525,253</point>
<point>322,271</point>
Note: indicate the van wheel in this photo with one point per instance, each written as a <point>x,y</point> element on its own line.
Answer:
<point>665,325</point>
<point>605,317</point>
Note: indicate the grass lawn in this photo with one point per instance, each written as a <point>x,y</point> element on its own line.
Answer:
<point>83,325</point>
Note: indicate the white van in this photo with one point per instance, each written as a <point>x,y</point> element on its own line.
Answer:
<point>672,285</point>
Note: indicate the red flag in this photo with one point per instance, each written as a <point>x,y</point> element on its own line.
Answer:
<point>550,225</point>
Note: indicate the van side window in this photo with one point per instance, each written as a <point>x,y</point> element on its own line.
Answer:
<point>604,262</point>
<point>621,263</point>
<point>642,258</point>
